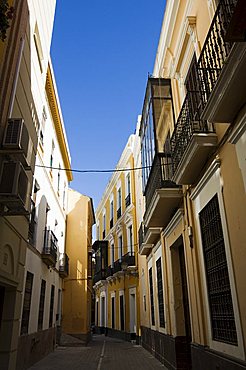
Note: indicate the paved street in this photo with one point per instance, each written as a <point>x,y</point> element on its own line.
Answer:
<point>102,353</point>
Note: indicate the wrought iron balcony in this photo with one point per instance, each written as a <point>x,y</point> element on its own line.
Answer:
<point>192,141</point>
<point>117,266</point>
<point>129,259</point>
<point>118,212</point>
<point>100,275</point>
<point>64,265</point>
<point>161,193</point>
<point>128,200</point>
<point>222,66</point>
<point>109,271</point>
<point>49,253</point>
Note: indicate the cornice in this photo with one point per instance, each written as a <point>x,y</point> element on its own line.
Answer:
<point>51,95</point>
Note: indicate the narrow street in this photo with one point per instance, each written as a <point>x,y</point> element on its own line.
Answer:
<point>102,353</point>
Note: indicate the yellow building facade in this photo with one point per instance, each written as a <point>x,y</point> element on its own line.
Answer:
<point>77,286</point>
<point>193,277</point>
<point>116,261</point>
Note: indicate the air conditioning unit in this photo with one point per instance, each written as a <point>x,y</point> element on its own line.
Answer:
<point>14,185</point>
<point>17,140</point>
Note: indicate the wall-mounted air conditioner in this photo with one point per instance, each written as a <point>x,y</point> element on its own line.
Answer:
<point>17,141</point>
<point>14,186</point>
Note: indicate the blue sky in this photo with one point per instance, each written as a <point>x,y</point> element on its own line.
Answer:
<point>102,51</point>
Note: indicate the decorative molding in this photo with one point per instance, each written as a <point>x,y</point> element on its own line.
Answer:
<point>239,128</point>
<point>206,177</point>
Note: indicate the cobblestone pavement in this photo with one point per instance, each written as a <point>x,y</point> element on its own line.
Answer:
<point>102,353</point>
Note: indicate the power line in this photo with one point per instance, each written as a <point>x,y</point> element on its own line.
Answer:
<point>98,171</point>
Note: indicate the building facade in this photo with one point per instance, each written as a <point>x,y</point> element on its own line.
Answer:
<point>193,138</point>
<point>24,56</point>
<point>116,269</point>
<point>46,259</point>
<point>77,288</point>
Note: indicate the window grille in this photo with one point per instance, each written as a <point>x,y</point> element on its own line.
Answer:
<point>27,303</point>
<point>218,283</point>
<point>151,297</point>
<point>160,293</point>
<point>41,305</point>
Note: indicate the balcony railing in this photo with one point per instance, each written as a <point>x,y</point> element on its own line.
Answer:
<point>109,271</point>
<point>129,259</point>
<point>117,266</point>
<point>215,49</point>
<point>189,122</point>
<point>100,275</point>
<point>118,213</point>
<point>49,254</point>
<point>128,200</point>
<point>64,265</point>
<point>160,176</point>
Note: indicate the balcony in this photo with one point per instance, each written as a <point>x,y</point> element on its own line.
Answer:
<point>128,200</point>
<point>118,213</point>
<point>117,266</point>
<point>192,141</point>
<point>109,271</point>
<point>162,195</point>
<point>64,265</point>
<point>222,63</point>
<point>147,239</point>
<point>100,275</point>
<point>49,253</point>
<point>129,259</point>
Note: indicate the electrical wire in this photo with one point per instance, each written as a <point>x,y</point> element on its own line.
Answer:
<point>98,171</point>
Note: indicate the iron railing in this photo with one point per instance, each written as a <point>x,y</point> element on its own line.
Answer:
<point>50,245</point>
<point>100,275</point>
<point>129,259</point>
<point>109,271</point>
<point>188,123</point>
<point>160,176</point>
<point>117,266</point>
<point>215,49</point>
<point>128,200</point>
<point>64,265</point>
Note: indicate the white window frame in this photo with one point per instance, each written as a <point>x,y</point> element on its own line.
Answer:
<point>158,254</point>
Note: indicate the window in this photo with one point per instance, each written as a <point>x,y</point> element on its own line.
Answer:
<point>58,178</point>
<point>112,255</point>
<point>27,303</point>
<point>120,245</point>
<point>38,46</point>
<point>122,313</point>
<point>130,245</point>
<point>52,155</point>
<point>119,203</point>
<point>111,213</point>
<point>218,283</point>
<point>160,293</point>
<point>128,190</point>
<point>104,225</point>
<point>41,305</point>
<point>152,308</point>
<point>52,293</point>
